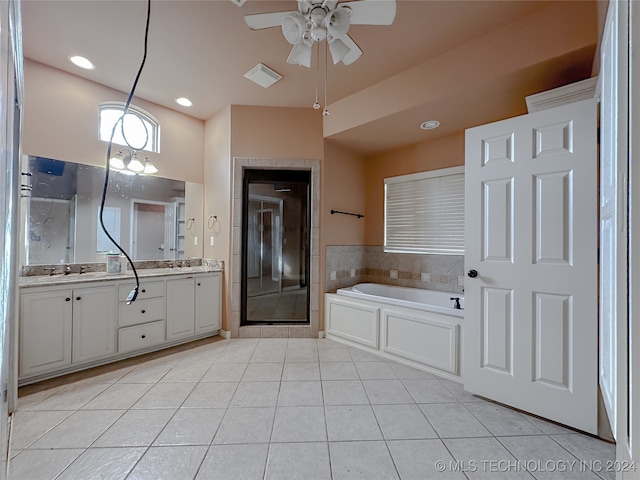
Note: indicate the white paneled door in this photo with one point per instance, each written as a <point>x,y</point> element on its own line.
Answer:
<point>530,337</point>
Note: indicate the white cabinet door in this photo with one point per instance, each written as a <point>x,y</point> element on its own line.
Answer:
<point>94,323</point>
<point>208,303</point>
<point>45,331</point>
<point>531,236</point>
<point>180,307</point>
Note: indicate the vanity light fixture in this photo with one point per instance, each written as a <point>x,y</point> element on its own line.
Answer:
<point>149,167</point>
<point>82,62</point>
<point>184,101</point>
<point>128,162</point>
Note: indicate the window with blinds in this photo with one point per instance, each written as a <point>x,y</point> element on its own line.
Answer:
<point>424,212</point>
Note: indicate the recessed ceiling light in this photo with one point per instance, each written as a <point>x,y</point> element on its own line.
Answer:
<point>82,62</point>
<point>429,125</point>
<point>185,102</point>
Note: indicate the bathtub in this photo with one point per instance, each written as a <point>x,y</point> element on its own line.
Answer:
<point>415,327</point>
<point>416,298</point>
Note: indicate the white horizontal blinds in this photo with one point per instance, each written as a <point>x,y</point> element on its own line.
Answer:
<point>424,213</point>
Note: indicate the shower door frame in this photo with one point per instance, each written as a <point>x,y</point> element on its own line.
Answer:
<point>275,176</point>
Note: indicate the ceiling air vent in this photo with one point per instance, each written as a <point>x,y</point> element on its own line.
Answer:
<point>263,75</point>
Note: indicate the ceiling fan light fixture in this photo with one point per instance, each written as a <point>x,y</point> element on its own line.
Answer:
<point>293,28</point>
<point>263,75</point>
<point>300,54</point>
<point>338,22</point>
<point>338,49</point>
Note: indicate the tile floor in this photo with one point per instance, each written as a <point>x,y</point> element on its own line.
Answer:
<point>282,409</point>
<point>281,306</point>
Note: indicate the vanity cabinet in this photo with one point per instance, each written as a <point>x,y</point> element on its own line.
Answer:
<point>73,325</point>
<point>94,322</point>
<point>181,307</point>
<point>141,324</point>
<point>208,303</point>
<point>45,331</point>
<point>193,305</point>
<point>59,327</point>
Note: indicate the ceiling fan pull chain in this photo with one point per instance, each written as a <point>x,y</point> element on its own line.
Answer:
<point>325,112</point>
<point>316,105</point>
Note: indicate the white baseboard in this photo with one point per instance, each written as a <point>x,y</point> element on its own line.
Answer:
<point>321,334</point>
<point>225,333</point>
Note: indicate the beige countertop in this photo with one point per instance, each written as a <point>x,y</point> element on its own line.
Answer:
<point>74,278</point>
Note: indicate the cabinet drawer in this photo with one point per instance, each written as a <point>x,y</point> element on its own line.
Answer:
<point>147,290</point>
<point>141,311</point>
<point>140,336</point>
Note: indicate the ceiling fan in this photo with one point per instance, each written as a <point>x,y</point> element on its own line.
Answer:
<point>318,20</point>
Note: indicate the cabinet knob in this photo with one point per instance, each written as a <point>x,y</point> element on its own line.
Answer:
<point>78,298</point>
<point>198,284</point>
<point>67,299</point>
<point>144,291</point>
<point>143,311</point>
<point>143,336</point>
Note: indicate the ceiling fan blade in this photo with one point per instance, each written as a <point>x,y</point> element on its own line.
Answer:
<point>265,20</point>
<point>300,54</point>
<point>354,50</point>
<point>371,12</point>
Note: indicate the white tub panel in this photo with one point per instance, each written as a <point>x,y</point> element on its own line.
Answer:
<point>425,339</point>
<point>353,321</point>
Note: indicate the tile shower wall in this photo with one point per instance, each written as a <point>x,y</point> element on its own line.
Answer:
<point>348,265</point>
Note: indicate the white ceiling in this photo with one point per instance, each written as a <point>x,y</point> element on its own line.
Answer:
<point>201,49</point>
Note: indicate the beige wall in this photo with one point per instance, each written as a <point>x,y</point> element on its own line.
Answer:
<point>343,188</point>
<point>257,132</point>
<point>61,122</point>
<point>217,197</point>
<point>441,153</point>
<point>276,132</point>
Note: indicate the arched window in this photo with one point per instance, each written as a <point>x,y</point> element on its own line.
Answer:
<point>141,129</point>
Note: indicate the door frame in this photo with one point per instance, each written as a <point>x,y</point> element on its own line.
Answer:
<point>279,203</point>
<point>169,231</point>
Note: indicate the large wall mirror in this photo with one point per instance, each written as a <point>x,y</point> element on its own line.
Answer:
<point>145,214</point>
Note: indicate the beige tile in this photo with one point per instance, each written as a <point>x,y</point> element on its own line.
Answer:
<point>42,464</point>
<point>136,428</point>
<point>29,426</point>
<point>299,424</point>
<point>237,462</point>
<point>170,463</point>
<point>364,460</point>
<point>102,463</point>
<point>165,395</point>
<point>292,461</point>
<point>191,427</point>
<point>78,430</point>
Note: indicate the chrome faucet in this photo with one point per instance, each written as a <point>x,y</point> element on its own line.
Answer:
<point>169,264</point>
<point>83,268</point>
<point>456,303</point>
<point>67,269</point>
<point>52,270</point>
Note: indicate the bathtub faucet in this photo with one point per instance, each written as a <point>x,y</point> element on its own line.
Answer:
<point>456,303</point>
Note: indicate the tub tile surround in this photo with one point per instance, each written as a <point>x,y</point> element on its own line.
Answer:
<point>274,331</point>
<point>363,417</point>
<point>359,263</point>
